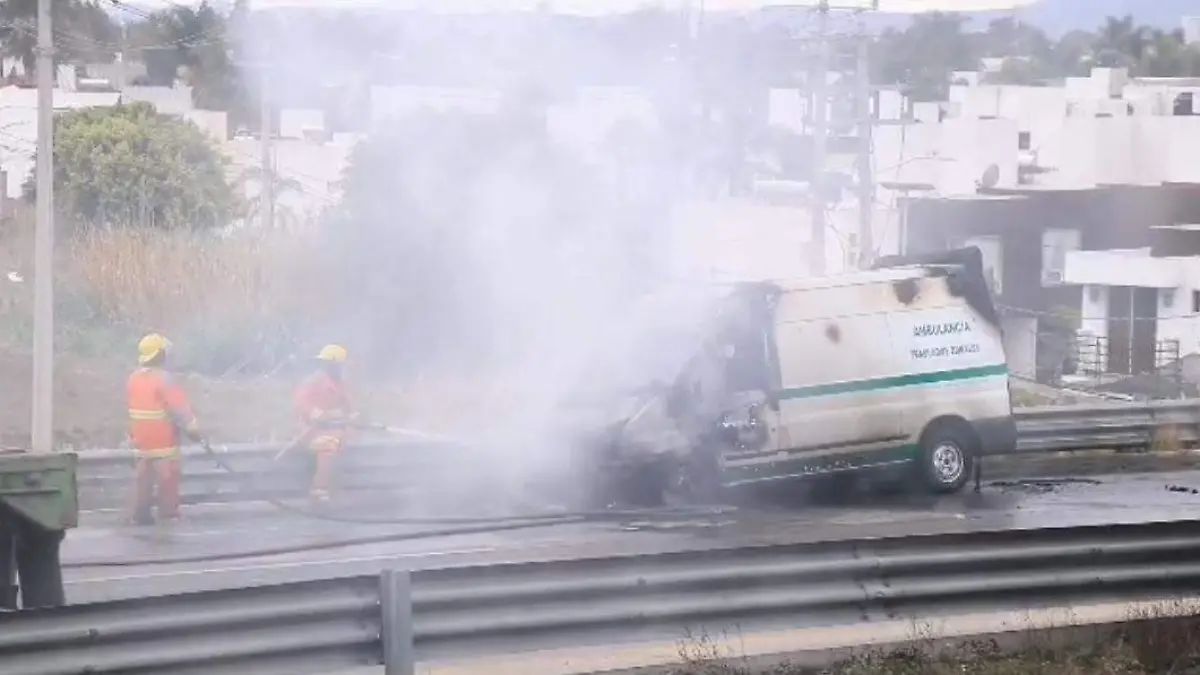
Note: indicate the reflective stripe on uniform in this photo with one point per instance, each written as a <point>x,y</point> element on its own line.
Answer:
<point>147,415</point>
<point>159,453</point>
<point>326,443</point>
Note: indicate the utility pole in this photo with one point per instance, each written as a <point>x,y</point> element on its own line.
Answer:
<point>268,155</point>
<point>42,422</point>
<point>866,122</point>
<point>820,130</point>
<point>122,78</point>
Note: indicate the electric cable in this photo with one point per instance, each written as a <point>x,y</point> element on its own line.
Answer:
<point>319,546</point>
<point>465,526</point>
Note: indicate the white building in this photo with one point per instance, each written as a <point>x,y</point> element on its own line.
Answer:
<point>1107,128</point>
<point>1191,29</point>
<point>1129,293</point>
<point>18,128</point>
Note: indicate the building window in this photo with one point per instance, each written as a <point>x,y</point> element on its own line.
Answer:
<point>1183,105</point>
<point>1055,246</point>
<point>1195,302</point>
<point>1024,141</point>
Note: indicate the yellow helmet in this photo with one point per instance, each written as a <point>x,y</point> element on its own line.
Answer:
<point>332,354</point>
<point>151,346</point>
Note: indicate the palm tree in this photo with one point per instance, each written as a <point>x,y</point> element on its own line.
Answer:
<point>1072,54</point>
<point>1168,55</point>
<point>1120,43</point>
<point>281,186</point>
<point>923,55</point>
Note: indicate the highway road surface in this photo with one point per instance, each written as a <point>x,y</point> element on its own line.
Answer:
<point>218,547</point>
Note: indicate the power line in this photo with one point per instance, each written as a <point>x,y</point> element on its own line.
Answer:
<point>88,42</point>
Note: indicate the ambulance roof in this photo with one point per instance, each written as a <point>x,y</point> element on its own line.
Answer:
<point>889,275</point>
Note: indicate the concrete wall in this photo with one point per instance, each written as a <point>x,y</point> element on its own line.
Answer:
<point>1123,268</point>
<point>18,128</point>
<point>167,100</point>
<point>1178,318</point>
<point>314,168</point>
<point>754,239</point>
<point>1020,345</point>
<point>1093,311</point>
<point>1178,281</point>
<point>296,123</point>
<point>951,155</point>
<point>215,123</point>
<point>1102,129</point>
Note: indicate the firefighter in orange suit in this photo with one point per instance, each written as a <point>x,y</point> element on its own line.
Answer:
<point>160,416</point>
<point>325,410</point>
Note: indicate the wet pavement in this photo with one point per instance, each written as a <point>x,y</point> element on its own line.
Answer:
<point>219,547</point>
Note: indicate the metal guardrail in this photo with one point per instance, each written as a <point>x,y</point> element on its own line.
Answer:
<point>1106,426</point>
<point>105,474</point>
<point>460,613</point>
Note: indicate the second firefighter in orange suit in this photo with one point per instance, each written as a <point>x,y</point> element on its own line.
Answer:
<point>160,415</point>
<point>324,409</point>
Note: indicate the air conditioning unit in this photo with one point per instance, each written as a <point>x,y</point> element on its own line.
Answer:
<point>1052,277</point>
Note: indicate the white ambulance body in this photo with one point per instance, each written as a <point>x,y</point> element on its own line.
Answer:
<point>898,367</point>
<point>881,368</point>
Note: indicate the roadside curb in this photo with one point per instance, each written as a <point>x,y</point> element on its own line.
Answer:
<point>1089,463</point>
<point>1009,631</point>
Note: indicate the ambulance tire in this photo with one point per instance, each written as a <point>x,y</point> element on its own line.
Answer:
<point>702,475</point>
<point>646,485</point>
<point>947,458</point>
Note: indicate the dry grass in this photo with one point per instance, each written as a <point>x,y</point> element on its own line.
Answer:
<point>1028,399</point>
<point>238,308</point>
<point>234,303</point>
<point>1163,639</point>
<point>1166,439</point>
<point>173,279</point>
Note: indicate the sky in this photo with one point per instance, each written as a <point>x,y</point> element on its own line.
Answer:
<point>615,6</point>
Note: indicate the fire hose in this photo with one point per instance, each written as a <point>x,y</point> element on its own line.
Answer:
<point>552,518</point>
<point>459,526</point>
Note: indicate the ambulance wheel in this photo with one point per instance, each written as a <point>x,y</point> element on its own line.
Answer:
<point>701,475</point>
<point>646,485</point>
<point>947,456</point>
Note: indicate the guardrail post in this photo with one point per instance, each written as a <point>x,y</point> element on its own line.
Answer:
<point>396,629</point>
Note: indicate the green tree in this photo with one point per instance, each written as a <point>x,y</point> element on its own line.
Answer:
<point>1023,71</point>
<point>923,56</point>
<point>196,45</point>
<point>82,30</point>
<point>281,187</point>
<point>1027,53</point>
<point>1009,37</point>
<point>128,166</point>
<point>1120,43</point>
<point>1072,54</point>
<point>1168,55</point>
